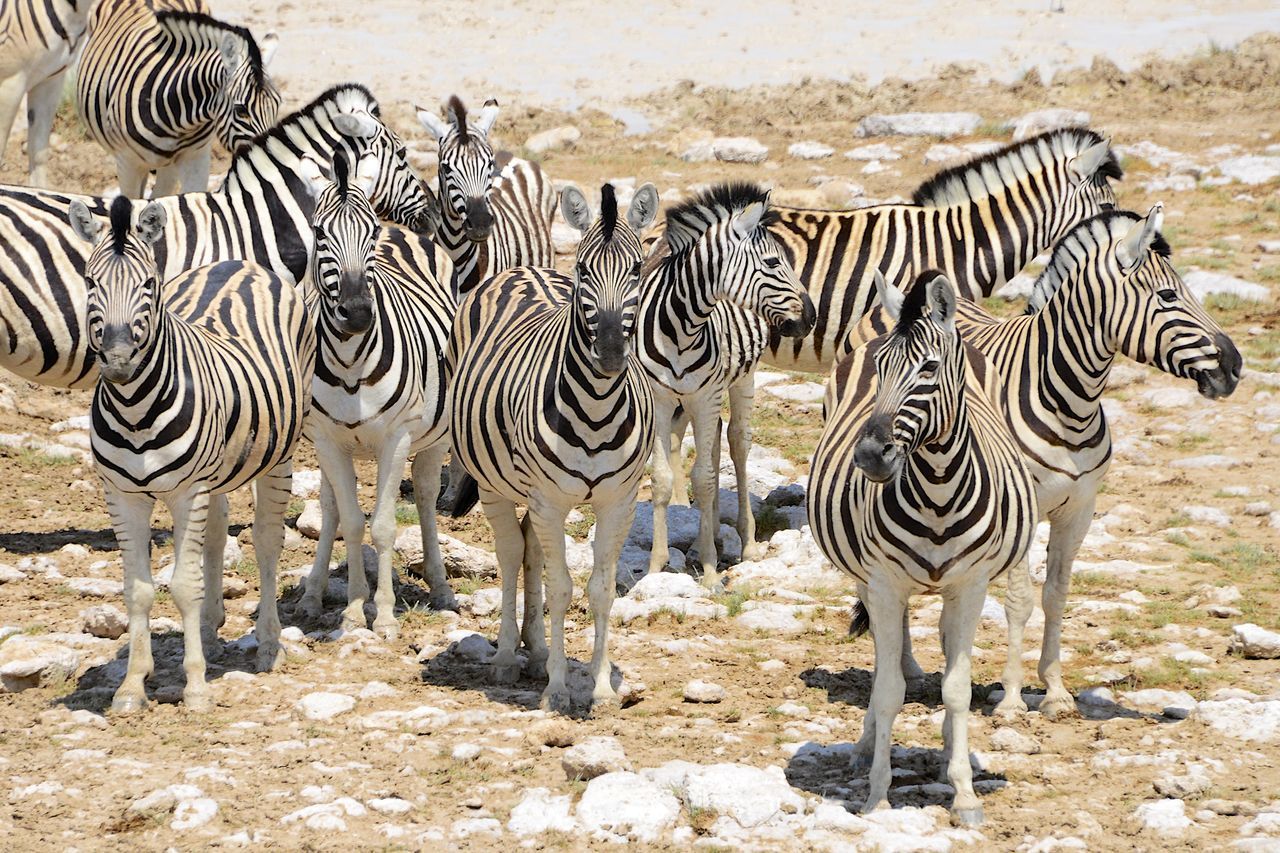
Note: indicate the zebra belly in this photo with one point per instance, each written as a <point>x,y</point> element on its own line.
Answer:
<point>346,421</point>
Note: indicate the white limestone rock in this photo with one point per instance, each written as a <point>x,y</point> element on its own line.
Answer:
<point>542,811</point>
<point>27,662</point>
<point>460,559</point>
<point>751,796</point>
<point>1250,169</point>
<point>1204,283</point>
<point>8,574</point>
<point>623,806</point>
<point>809,150</point>
<point>306,483</point>
<point>1018,287</point>
<point>324,706</point>
<point>1166,818</point>
<point>1207,515</point>
<point>1007,739</point>
<point>594,756</point>
<point>873,153</point>
<point>104,620</point>
<point>309,519</point>
<point>96,587</point>
<point>705,692</point>
<point>1253,641</point>
<point>1184,786</point>
<point>770,617</point>
<point>729,149</point>
<point>565,238</point>
<point>919,124</point>
<point>1041,121</point>
<point>552,140</point>
<point>1155,700</point>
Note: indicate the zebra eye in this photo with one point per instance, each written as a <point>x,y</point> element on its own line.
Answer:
<point>928,369</point>
<point>1168,295</point>
<point>635,268</point>
<point>89,283</point>
<point>772,263</point>
<point>583,272</point>
<point>242,110</point>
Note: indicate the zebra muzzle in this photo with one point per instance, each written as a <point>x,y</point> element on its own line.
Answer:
<point>1222,380</point>
<point>876,454</point>
<point>478,221</point>
<point>798,327</point>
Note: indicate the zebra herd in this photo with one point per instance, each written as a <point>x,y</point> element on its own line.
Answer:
<point>324,289</point>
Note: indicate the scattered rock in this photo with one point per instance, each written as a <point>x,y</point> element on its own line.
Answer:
<point>324,706</point>
<point>594,757</point>
<point>751,796</point>
<point>1006,739</point>
<point>1242,718</point>
<point>1178,397</point>
<point>96,587</point>
<point>1155,700</point>
<point>1253,641</point>
<point>841,194</point>
<point>1208,460</point>
<point>704,692</point>
<point>8,574</point>
<point>460,559</point>
<point>919,124</point>
<point>1204,283</point>
<point>554,731</point>
<point>1251,169</point>
<point>104,620</point>
<point>541,811</point>
<point>1207,515</point>
<point>309,519</point>
<point>1166,818</point>
<point>553,139</point>
<point>1257,509</point>
<point>1018,287</point>
<point>306,482</point>
<point>873,153</point>
<point>390,805</point>
<point>770,617</point>
<point>625,806</point>
<point>465,752</point>
<point>27,662</point>
<point>810,150</point>
<point>1184,786</point>
<point>1041,121</point>
<point>729,149</point>
<point>565,238</point>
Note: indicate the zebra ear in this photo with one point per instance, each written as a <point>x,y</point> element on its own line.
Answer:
<point>232,50</point>
<point>942,302</point>
<point>313,175</point>
<point>432,122</point>
<point>358,125</point>
<point>151,222</point>
<point>1089,160</point>
<point>366,177</point>
<point>574,208</point>
<point>748,219</point>
<point>488,115</point>
<point>267,46</point>
<point>1132,248</point>
<point>84,223</point>
<point>890,297</point>
<point>643,209</point>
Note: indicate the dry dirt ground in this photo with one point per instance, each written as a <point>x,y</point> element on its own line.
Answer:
<point>389,774</point>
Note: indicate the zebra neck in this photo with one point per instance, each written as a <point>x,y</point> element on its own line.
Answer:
<point>945,455</point>
<point>578,384</point>
<point>1074,368</point>
<point>682,287</point>
<point>346,359</point>
<point>470,259</point>
<point>995,248</point>
<point>158,381</point>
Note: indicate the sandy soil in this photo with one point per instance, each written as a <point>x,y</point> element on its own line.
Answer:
<point>69,777</point>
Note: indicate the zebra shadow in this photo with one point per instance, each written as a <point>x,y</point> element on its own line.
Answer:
<point>411,593</point>
<point>104,539</point>
<point>464,666</point>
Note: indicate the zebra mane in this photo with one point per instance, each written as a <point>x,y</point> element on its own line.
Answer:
<point>914,303</point>
<point>121,220</point>
<point>989,172</point>
<point>172,21</point>
<point>460,115</point>
<point>309,113</point>
<point>608,212</point>
<point>1093,232</point>
<point>690,219</point>
<point>341,172</point>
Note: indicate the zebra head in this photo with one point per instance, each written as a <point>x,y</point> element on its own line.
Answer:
<point>1089,164</point>
<point>468,166</point>
<point>399,194</point>
<point>743,257</point>
<point>606,273</point>
<point>1156,319</point>
<point>123,306</point>
<point>346,233</point>
<point>920,376</point>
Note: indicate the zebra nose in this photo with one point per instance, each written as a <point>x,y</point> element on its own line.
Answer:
<point>479,219</point>
<point>875,453</point>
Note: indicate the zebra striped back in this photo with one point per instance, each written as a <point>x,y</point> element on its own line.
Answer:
<point>262,213</point>
<point>980,223</point>
<point>916,474</point>
<point>156,84</point>
<point>210,389</point>
<point>497,210</point>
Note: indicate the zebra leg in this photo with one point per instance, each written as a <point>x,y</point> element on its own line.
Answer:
<point>613,522</point>
<point>706,437</point>
<point>270,500</point>
<point>740,404</point>
<point>131,519</point>
<point>1017,609</point>
<point>341,472</point>
<point>508,543</point>
<point>911,670</point>
<point>168,179</point>
<point>888,688</point>
<point>662,479</point>
<point>133,176</point>
<point>382,527</point>
<point>318,580</point>
<point>12,90</point>
<point>679,483</point>
<point>42,105</point>
<point>190,518</point>
<point>212,614</point>
<point>961,610</point>
<point>533,630</point>
<point>194,167</point>
<point>426,489</point>
<point>1066,531</point>
<point>547,521</point>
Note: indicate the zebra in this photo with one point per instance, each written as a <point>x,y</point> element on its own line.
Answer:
<point>41,39</point>
<point>549,407</point>
<point>917,486</point>
<point>380,389</point>
<point>261,213</point>
<point>979,222</point>
<point>195,398</point>
<point>1109,289</point>
<point>711,285</point>
<point>156,86</point>
<point>497,210</point>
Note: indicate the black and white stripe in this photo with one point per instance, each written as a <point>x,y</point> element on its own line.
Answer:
<point>39,40</point>
<point>497,209</point>
<point>159,81</point>
<point>550,408</point>
<point>195,399</point>
<point>712,287</point>
<point>1109,290</point>
<point>380,389</point>
<point>917,486</point>
<point>262,213</point>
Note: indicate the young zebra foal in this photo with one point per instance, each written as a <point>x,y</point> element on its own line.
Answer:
<point>916,486</point>
<point>380,389</point>
<point>551,409</point>
<point>196,398</point>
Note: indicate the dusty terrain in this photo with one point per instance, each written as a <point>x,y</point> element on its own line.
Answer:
<point>431,755</point>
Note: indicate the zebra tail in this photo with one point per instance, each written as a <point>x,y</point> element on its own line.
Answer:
<point>861,621</point>
<point>465,496</point>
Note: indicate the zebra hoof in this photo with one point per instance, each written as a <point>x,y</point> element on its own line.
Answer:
<point>270,656</point>
<point>1011,707</point>
<point>312,607</point>
<point>536,668</point>
<point>386,630</point>
<point>198,701</point>
<point>443,600</point>
<point>860,764</point>
<point>967,817</point>
<point>557,701</point>
<point>128,703</point>
<point>505,673</point>
<point>1058,707</point>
